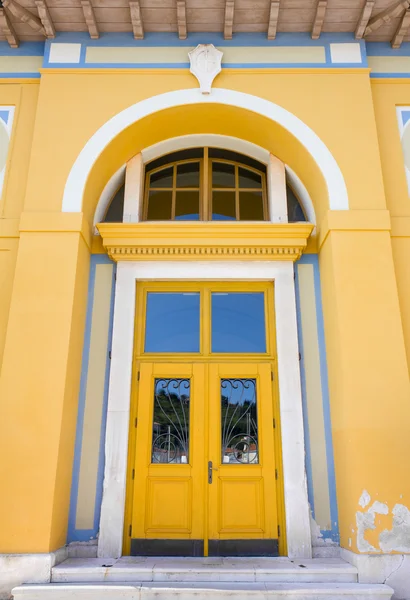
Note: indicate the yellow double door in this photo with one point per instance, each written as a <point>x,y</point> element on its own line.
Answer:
<point>204,479</point>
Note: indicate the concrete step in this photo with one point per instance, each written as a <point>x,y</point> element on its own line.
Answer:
<point>250,570</point>
<point>203,591</point>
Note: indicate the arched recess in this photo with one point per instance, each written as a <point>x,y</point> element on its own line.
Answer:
<point>199,140</point>
<point>185,112</point>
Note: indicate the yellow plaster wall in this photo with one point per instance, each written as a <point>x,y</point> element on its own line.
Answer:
<point>39,389</point>
<point>46,324</point>
<point>24,97</point>
<point>387,95</point>
<point>368,379</point>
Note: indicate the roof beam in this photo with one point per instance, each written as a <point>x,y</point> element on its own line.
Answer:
<point>273,19</point>
<point>45,17</point>
<point>181,19</point>
<point>136,20</point>
<point>7,29</point>
<point>401,30</point>
<point>228,23</point>
<point>24,15</point>
<point>391,12</point>
<point>364,19</point>
<point>319,19</point>
<point>90,19</point>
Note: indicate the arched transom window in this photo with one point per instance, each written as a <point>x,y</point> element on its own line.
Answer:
<point>205,184</point>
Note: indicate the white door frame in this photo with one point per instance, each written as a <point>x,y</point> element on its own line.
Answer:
<point>297,510</point>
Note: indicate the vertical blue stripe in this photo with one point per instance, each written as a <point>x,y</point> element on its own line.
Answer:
<point>83,535</point>
<point>333,534</point>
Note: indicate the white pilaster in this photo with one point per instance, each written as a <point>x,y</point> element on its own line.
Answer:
<point>133,194</point>
<point>276,183</point>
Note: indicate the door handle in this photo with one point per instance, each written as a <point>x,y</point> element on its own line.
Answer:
<point>210,469</point>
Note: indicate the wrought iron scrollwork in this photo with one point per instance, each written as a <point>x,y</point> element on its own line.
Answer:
<point>170,438</point>
<point>239,421</point>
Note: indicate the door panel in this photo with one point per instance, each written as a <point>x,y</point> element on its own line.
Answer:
<point>242,491</point>
<point>205,465</point>
<point>169,467</point>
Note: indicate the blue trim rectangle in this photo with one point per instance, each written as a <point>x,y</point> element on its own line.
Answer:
<point>333,534</point>
<point>84,535</point>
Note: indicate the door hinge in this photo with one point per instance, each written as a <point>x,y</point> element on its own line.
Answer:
<point>133,474</point>
<point>138,376</point>
<point>272,376</point>
<point>300,356</point>
<point>274,423</point>
<point>276,473</point>
<point>136,421</point>
<point>278,531</point>
<point>109,354</point>
<point>130,530</point>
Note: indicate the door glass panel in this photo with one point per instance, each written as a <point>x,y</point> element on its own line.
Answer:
<point>172,322</point>
<point>170,432</point>
<point>250,206</point>
<point>159,206</point>
<point>223,175</point>
<point>239,425</point>
<point>238,322</point>
<point>187,206</point>
<point>223,206</point>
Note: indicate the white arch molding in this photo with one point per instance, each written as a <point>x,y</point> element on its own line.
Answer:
<point>75,185</point>
<point>185,142</point>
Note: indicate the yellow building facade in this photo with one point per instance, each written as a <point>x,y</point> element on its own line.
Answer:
<point>101,312</point>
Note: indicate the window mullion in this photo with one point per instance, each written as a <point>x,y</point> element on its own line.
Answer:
<point>205,196</point>
<point>237,193</point>
<point>174,192</point>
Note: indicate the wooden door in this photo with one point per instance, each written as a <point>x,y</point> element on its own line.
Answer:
<point>242,511</point>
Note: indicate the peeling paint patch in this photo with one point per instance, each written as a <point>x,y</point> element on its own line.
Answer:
<point>366,521</point>
<point>398,538</point>
<point>364,499</point>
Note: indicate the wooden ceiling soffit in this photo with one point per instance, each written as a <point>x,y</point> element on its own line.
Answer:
<point>205,241</point>
<point>136,20</point>
<point>7,29</point>
<point>228,23</point>
<point>273,19</point>
<point>90,19</point>
<point>391,12</point>
<point>45,17</point>
<point>319,19</point>
<point>401,30</point>
<point>24,15</point>
<point>364,19</point>
<point>181,20</point>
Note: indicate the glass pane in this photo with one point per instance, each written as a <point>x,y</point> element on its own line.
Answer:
<point>159,206</point>
<point>170,432</point>
<point>115,210</point>
<point>172,322</point>
<point>250,206</point>
<point>162,178</point>
<point>238,322</point>
<point>187,206</point>
<point>223,206</point>
<point>188,175</point>
<point>223,175</point>
<point>239,421</point>
<point>295,212</point>
<point>249,179</point>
